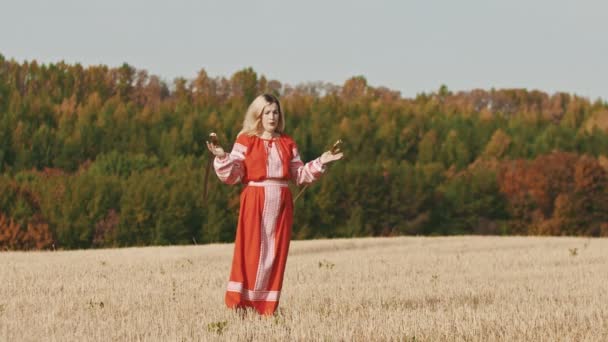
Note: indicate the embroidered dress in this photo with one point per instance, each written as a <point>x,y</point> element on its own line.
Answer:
<point>265,217</point>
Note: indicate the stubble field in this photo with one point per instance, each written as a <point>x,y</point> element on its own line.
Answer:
<point>408,288</point>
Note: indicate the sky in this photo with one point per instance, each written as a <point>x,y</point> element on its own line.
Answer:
<point>410,46</point>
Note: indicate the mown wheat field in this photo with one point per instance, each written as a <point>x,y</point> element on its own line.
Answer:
<point>407,288</point>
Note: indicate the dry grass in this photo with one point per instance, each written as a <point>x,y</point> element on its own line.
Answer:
<point>409,289</point>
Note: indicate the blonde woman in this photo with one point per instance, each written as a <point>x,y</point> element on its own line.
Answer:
<point>264,159</point>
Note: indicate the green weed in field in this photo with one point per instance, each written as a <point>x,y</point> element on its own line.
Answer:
<point>327,264</point>
<point>217,327</point>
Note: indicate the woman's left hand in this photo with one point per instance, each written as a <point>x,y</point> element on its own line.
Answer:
<point>328,157</point>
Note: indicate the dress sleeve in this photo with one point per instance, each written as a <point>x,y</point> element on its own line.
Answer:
<point>305,173</point>
<point>230,169</point>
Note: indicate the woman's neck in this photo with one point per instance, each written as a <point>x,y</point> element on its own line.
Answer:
<point>268,135</point>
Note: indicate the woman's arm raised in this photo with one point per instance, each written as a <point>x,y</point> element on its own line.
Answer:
<point>228,166</point>
<point>307,173</point>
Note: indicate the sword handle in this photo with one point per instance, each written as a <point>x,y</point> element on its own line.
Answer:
<point>213,138</point>
<point>336,147</point>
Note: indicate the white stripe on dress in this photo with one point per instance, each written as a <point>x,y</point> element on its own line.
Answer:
<point>272,199</point>
<point>274,165</point>
<point>268,296</point>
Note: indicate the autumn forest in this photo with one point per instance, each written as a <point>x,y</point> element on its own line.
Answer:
<point>103,156</point>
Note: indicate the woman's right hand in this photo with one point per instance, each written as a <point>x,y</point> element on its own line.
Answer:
<point>329,156</point>
<point>217,150</point>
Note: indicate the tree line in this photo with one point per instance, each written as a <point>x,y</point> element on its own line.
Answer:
<point>98,156</point>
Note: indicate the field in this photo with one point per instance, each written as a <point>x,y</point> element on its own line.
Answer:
<point>408,288</point>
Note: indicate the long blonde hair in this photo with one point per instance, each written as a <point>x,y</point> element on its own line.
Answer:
<point>252,124</point>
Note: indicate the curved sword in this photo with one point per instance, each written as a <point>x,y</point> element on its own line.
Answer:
<point>213,139</point>
<point>334,149</point>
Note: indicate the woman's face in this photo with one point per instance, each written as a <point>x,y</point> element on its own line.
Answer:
<point>270,118</point>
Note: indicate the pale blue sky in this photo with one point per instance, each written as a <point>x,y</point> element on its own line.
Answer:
<point>410,46</point>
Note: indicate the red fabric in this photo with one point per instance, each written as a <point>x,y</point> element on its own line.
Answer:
<point>255,158</point>
<point>247,248</point>
<point>265,217</point>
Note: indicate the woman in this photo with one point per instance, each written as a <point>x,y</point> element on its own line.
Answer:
<point>264,158</point>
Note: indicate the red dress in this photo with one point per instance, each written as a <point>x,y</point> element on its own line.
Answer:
<point>265,217</point>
